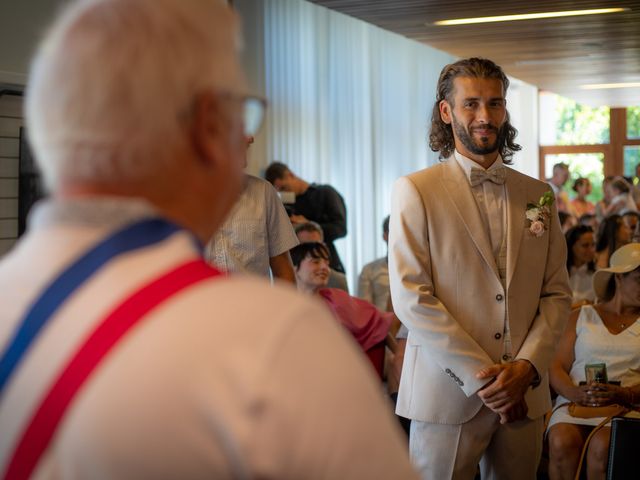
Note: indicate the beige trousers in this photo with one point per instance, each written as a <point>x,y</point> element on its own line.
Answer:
<point>504,452</point>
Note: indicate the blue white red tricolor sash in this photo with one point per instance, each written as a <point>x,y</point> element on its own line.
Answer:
<point>41,427</point>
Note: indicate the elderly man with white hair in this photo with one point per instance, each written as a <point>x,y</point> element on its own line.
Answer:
<point>122,353</point>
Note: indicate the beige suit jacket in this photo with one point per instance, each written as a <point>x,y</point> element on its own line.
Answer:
<point>447,291</point>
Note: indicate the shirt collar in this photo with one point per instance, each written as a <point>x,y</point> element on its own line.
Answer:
<point>467,164</point>
<point>105,211</point>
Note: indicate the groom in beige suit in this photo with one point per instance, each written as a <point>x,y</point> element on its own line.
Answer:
<point>477,271</point>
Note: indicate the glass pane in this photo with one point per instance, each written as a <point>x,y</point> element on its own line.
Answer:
<point>633,122</point>
<point>588,165</point>
<point>631,160</point>
<point>565,122</point>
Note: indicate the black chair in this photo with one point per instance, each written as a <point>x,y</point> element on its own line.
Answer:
<point>623,449</point>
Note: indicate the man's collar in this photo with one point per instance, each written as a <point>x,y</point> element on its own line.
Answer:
<point>100,211</point>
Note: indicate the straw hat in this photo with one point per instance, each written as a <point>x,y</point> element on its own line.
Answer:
<point>624,260</point>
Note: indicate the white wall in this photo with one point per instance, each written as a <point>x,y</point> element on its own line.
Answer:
<point>10,123</point>
<point>522,102</point>
<point>22,23</point>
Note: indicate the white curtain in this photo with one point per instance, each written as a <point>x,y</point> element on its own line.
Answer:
<point>349,106</point>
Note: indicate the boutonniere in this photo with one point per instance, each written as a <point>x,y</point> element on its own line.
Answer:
<point>539,214</point>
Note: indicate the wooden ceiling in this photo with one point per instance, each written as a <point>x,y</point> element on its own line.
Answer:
<point>555,54</point>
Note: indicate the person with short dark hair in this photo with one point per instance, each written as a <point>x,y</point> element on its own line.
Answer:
<point>318,203</point>
<point>312,232</point>
<point>368,325</point>
<point>566,221</point>
<point>478,276</point>
<point>581,251</point>
<point>612,234</point>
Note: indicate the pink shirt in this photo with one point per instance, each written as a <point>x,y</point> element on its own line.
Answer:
<point>367,324</point>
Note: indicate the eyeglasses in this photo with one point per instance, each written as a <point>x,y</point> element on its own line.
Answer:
<point>253,114</point>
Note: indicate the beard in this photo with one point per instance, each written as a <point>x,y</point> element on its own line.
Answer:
<point>483,146</point>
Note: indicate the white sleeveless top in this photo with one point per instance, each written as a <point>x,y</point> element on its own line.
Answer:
<point>595,344</point>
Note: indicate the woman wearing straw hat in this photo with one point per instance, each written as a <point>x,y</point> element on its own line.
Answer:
<point>608,333</point>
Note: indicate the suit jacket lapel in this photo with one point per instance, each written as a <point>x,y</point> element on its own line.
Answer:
<point>456,185</point>
<point>516,208</point>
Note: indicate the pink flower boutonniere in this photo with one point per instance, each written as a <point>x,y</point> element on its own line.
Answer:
<point>539,214</point>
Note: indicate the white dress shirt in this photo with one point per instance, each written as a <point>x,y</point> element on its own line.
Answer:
<point>491,199</point>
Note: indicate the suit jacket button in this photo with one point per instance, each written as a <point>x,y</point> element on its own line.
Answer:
<point>497,336</point>
<point>499,297</point>
<point>505,357</point>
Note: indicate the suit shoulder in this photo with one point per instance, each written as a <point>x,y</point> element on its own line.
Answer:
<point>531,182</point>
<point>426,175</point>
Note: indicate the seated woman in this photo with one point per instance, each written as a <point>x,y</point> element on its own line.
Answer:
<point>612,234</point>
<point>368,325</point>
<point>608,333</point>
<point>581,251</point>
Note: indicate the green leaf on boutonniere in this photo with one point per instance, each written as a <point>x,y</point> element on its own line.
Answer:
<point>547,199</point>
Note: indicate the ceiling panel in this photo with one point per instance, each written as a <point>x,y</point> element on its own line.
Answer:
<point>556,54</point>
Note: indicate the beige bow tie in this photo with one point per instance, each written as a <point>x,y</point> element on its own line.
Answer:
<point>496,175</point>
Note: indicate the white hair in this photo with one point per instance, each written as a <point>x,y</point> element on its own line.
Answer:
<point>113,83</point>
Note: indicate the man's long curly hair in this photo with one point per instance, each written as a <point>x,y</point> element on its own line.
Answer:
<point>441,134</point>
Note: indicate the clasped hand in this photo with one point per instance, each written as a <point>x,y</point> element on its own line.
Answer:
<point>598,394</point>
<point>505,394</point>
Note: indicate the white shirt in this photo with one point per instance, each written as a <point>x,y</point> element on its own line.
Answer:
<point>231,378</point>
<point>256,229</point>
<point>491,201</point>
<point>373,283</point>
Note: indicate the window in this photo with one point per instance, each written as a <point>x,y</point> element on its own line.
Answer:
<point>588,139</point>
<point>588,165</point>
<point>569,123</point>
<point>631,159</point>
<point>633,123</point>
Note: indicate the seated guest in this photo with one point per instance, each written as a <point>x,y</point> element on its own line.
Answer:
<point>608,333</point>
<point>566,221</point>
<point>612,234</point>
<point>368,325</point>
<point>373,282</point>
<point>581,250</point>
<point>621,198</point>
<point>580,205</point>
<point>631,219</point>
<point>589,220</point>
<point>312,232</point>
<point>603,204</point>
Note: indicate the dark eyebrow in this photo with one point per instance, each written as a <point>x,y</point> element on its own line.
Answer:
<point>492,99</point>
